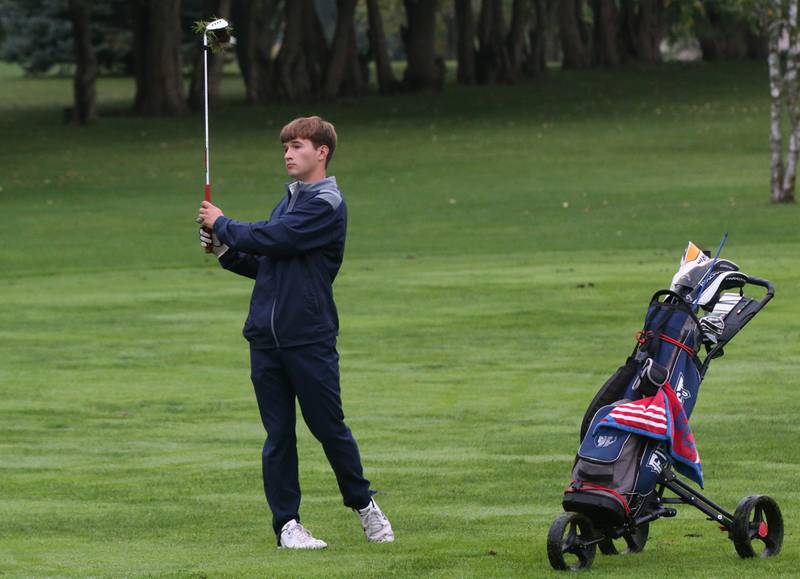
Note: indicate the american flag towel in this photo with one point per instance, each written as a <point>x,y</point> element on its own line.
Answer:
<point>660,417</point>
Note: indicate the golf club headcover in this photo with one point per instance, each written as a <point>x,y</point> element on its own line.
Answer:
<point>718,282</point>
<point>694,265</point>
<point>651,378</point>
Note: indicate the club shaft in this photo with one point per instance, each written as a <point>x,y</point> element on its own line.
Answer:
<point>205,108</point>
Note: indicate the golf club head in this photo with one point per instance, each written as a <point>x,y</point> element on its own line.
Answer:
<point>712,327</point>
<point>217,24</point>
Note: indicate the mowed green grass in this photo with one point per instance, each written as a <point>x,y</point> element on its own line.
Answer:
<point>503,245</point>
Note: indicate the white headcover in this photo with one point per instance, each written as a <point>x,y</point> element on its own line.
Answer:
<point>730,279</point>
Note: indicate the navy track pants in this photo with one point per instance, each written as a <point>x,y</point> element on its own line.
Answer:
<point>311,374</point>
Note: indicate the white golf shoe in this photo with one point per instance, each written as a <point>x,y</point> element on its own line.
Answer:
<point>376,526</point>
<point>296,536</point>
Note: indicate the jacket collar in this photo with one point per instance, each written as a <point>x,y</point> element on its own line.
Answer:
<point>315,187</point>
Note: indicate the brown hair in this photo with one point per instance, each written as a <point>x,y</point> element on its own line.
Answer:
<point>315,129</point>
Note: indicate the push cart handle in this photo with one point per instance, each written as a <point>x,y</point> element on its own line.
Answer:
<point>752,309</point>
<point>765,284</point>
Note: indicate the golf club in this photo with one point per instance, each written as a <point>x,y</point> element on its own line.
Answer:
<point>215,25</point>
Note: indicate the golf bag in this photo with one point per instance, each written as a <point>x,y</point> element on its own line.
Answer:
<point>615,472</point>
<point>635,435</point>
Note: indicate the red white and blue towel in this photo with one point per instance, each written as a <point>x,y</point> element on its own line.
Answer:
<point>661,417</point>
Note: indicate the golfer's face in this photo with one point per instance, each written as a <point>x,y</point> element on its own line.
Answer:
<point>301,157</point>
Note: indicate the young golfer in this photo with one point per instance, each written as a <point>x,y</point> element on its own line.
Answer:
<point>294,257</point>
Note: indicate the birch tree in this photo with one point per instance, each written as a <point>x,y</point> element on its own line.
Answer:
<point>780,19</point>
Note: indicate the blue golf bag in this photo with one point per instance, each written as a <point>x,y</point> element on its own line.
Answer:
<point>614,474</point>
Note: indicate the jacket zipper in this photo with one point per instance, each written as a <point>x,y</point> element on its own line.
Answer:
<point>272,323</point>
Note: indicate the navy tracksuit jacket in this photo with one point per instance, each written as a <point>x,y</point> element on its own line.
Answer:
<point>292,326</point>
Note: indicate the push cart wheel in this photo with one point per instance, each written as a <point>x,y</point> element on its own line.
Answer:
<point>757,527</point>
<point>607,547</point>
<point>569,543</point>
<point>635,541</point>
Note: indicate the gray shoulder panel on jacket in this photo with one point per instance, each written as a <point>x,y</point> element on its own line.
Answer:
<point>332,197</point>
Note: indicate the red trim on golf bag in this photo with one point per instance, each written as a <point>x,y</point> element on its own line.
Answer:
<point>679,344</point>
<point>585,486</point>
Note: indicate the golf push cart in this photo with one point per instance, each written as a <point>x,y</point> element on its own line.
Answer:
<point>635,435</point>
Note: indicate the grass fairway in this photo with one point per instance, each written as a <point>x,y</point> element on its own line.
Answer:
<point>503,245</point>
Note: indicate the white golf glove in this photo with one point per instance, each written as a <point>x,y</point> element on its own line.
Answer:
<point>210,239</point>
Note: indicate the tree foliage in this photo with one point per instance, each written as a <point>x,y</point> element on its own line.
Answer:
<point>38,34</point>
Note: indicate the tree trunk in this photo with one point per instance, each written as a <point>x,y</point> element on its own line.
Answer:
<point>356,75</point>
<point>157,52</point>
<point>423,71</point>
<point>642,29</point>
<point>378,49</point>
<point>651,30</point>
<point>243,18</point>
<point>536,60</point>
<point>790,82</point>
<point>216,62</point>
<point>84,108</point>
<point>257,23</point>
<point>315,47</point>
<point>515,43</point>
<point>492,61</point>
<point>341,50</point>
<point>776,31</point>
<point>606,37</point>
<point>756,45</point>
<point>465,23</point>
<point>269,23</point>
<point>298,71</point>
<point>573,34</point>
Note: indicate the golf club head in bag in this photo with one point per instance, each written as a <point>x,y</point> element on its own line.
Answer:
<point>712,328</point>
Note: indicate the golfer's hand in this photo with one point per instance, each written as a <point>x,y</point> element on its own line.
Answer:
<point>210,240</point>
<point>208,214</point>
